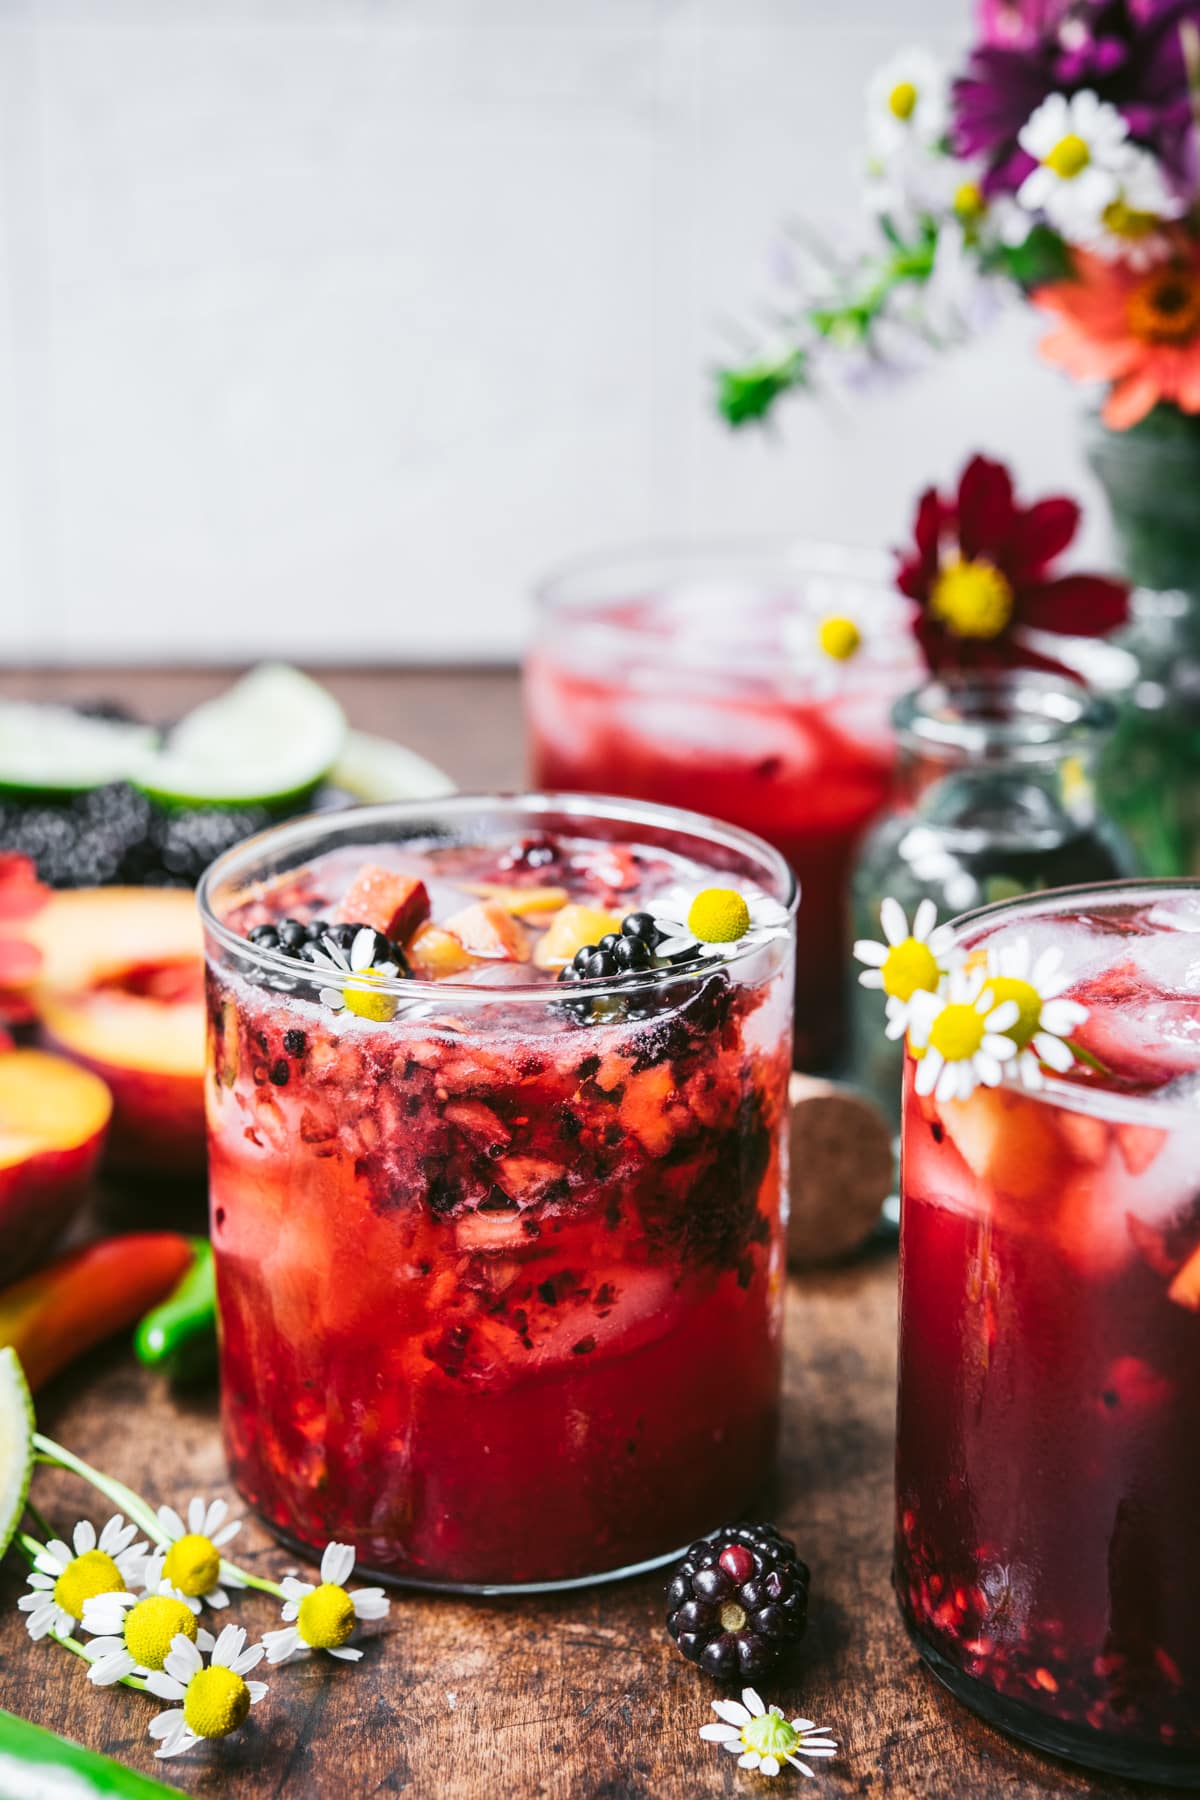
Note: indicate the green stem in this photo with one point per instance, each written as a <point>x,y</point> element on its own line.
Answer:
<point>131,1504</point>
<point>73,1644</point>
<point>259,1582</point>
<point>1086,1057</point>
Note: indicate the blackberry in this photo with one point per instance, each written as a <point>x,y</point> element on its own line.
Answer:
<point>304,941</point>
<point>738,1601</point>
<point>641,927</point>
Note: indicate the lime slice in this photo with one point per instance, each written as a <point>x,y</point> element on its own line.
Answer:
<point>17,1423</point>
<point>266,742</point>
<point>375,769</point>
<point>55,750</point>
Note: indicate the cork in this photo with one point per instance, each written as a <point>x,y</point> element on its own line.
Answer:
<point>841,1170</point>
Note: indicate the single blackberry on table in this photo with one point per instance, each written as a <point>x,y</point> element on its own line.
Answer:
<point>738,1601</point>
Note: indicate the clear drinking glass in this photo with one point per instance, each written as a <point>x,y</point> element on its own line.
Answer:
<point>1048,1507</point>
<point>695,677</point>
<point>499,1260</point>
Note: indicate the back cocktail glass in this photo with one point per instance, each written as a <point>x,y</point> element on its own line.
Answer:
<point>698,679</point>
<point>1048,1499</point>
<point>499,1253</point>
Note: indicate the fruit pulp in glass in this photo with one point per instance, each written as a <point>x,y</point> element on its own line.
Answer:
<point>500,1283</point>
<point>1048,1507</point>
<point>742,717</point>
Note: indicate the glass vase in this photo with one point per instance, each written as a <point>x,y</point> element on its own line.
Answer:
<point>995,798</point>
<point>1150,775</point>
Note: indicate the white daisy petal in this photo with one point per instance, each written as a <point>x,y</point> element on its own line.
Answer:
<point>257,1691</point>
<point>928,1070</point>
<point>748,1759</point>
<point>347,1653</point>
<point>248,1659</point>
<point>719,1734</point>
<point>1053,1052</point>
<point>195,1514</point>
<point>167,1687</point>
<point>337,1563</point>
<point>163,1724</point>
<point>1003,1016</point>
<point>1061,1016</point>
<point>279,1645</point>
<point>226,1532</point>
<point>871,978</point>
<point>733,1745</point>
<point>183,1660</point>
<point>868,951</point>
<point>750,1699</point>
<point>893,922</point>
<point>84,1537</point>
<point>732,1711</point>
<point>370,1603</point>
<point>769,1765</point>
<point>229,1645</point>
<point>924,920</point>
<point>217,1598</point>
<point>108,1669</point>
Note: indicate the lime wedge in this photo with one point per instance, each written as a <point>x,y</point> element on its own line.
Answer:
<point>267,742</point>
<point>375,769</point>
<point>55,750</point>
<point>17,1423</point>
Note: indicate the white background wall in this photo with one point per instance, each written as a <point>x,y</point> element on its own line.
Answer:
<point>327,324</point>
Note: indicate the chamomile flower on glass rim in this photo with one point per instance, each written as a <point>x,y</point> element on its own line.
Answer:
<point>65,1576</point>
<point>215,1696</point>
<point>763,1739</point>
<point>328,958</point>
<point>1044,1019</point>
<point>909,961</point>
<point>959,1036</point>
<point>716,921</point>
<point>323,1616</point>
<point>191,1560</point>
<point>1081,150</point>
<point>906,103</point>
<point>132,1634</point>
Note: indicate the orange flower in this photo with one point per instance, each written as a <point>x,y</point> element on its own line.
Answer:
<point>1138,329</point>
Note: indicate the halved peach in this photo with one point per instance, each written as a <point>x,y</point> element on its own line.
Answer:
<point>570,930</point>
<point>53,1117</point>
<point>121,991</point>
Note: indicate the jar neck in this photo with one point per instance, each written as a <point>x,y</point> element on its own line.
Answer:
<point>1013,745</point>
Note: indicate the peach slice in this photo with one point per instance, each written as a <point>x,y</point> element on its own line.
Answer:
<point>433,954</point>
<point>487,930</point>
<point>121,991</point>
<point>570,930</point>
<point>1005,1139</point>
<point>1185,1289</point>
<point>53,1117</point>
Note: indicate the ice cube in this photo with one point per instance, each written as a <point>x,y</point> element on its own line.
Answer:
<point>1181,913</point>
<point>1170,962</point>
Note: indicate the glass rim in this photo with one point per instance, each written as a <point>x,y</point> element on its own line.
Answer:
<point>538,803</point>
<point>936,718</point>
<point>1099,1102</point>
<point>803,556</point>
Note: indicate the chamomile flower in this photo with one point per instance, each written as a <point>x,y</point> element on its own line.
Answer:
<point>323,1617</point>
<point>1131,227</point>
<point>1081,150</point>
<point>714,922</point>
<point>132,1634</point>
<point>960,1035</point>
<point>762,1739</point>
<point>906,104</point>
<point>329,958</point>
<point>216,1696</point>
<point>66,1576</point>
<point>1044,1021</point>
<point>192,1561</point>
<point>908,962</point>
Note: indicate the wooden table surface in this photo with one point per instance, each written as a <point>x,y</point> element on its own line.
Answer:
<point>581,1695</point>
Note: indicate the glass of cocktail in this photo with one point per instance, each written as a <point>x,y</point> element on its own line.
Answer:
<point>498,1181</point>
<point>754,683</point>
<point>1048,1500</point>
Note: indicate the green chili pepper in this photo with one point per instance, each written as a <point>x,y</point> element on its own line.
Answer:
<point>179,1337</point>
<point>33,1760</point>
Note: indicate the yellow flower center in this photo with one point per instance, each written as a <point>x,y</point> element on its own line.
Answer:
<point>969,203</point>
<point>216,1702</point>
<point>150,1626</point>
<point>193,1564</point>
<point>909,966</point>
<point>326,1617</point>
<point>1069,157</point>
<point>366,1004</point>
<point>718,916</point>
<point>957,1032</point>
<point>972,598</point>
<point>902,101</point>
<point>1126,221</point>
<point>1165,307</point>
<point>94,1572</point>
<point>1029,1006</point>
<point>838,637</point>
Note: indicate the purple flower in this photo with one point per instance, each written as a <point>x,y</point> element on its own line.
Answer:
<point>1129,52</point>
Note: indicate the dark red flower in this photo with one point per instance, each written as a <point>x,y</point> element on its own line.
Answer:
<point>980,574</point>
<point>21,895</point>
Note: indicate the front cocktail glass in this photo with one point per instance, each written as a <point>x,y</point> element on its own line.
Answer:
<point>1048,1500</point>
<point>499,1256</point>
<point>717,678</point>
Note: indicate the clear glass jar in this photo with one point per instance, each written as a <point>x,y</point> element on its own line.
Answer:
<point>695,677</point>
<point>499,1262</point>
<point>1150,775</point>
<point>995,797</point>
<point>1047,1507</point>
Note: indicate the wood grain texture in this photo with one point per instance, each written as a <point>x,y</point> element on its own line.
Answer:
<point>577,1697</point>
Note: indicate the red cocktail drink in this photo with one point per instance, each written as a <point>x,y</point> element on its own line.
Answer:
<point>700,681</point>
<point>499,1250</point>
<point>1048,1500</point>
